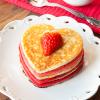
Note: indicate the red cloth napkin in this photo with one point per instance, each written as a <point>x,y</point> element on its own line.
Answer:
<point>92,10</point>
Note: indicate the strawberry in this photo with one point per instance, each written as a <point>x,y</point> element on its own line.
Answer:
<point>51,41</point>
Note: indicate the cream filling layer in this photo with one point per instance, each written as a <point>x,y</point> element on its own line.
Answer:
<point>56,74</point>
<point>49,68</point>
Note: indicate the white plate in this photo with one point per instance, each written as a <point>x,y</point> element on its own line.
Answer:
<point>16,85</point>
<point>78,2</point>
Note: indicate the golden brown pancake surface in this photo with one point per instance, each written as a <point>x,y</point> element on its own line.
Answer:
<point>31,45</point>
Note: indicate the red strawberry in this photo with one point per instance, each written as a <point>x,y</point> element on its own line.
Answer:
<point>51,41</point>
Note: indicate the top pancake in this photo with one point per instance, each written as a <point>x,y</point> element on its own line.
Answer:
<point>32,49</point>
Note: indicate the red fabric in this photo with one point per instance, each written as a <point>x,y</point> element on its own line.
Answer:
<point>92,10</point>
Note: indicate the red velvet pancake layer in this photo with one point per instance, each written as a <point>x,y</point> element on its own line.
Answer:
<point>54,80</point>
<point>72,63</point>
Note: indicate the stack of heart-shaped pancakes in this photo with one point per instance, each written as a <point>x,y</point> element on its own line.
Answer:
<point>57,67</point>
